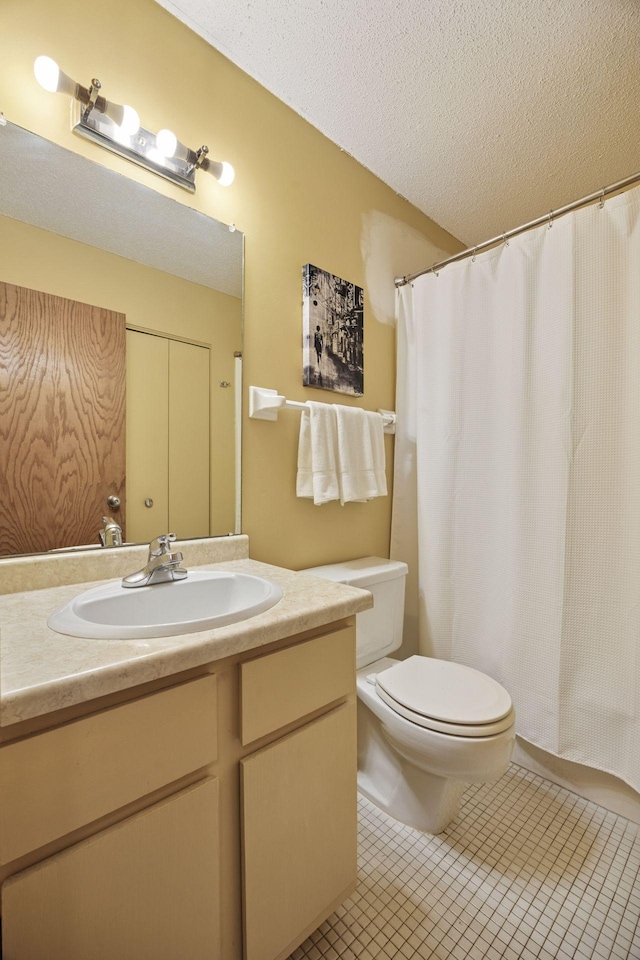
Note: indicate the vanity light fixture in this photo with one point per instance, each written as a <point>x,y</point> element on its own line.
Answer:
<point>117,128</point>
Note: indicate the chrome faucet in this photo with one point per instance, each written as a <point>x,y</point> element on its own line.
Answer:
<point>111,536</point>
<point>161,566</point>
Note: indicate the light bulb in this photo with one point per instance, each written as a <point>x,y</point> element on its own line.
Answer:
<point>222,171</point>
<point>130,121</point>
<point>227,175</point>
<point>124,117</point>
<point>166,142</point>
<point>52,78</point>
<point>169,145</point>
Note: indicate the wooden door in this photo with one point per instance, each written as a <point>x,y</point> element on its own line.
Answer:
<point>145,889</point>
<point>62,418</point>
<point>299,832</point>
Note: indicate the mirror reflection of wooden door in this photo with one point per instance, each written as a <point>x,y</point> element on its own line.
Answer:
<point>168,437</point>
<point>62,419</point>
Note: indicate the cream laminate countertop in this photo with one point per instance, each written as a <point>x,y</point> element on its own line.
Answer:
<point>42,671</point>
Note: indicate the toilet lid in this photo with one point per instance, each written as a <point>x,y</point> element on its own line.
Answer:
<point>449,693</point>
<point>466,730</point>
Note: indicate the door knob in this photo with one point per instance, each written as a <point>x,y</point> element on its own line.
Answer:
<point>113,502</point>
<point>148,502</point>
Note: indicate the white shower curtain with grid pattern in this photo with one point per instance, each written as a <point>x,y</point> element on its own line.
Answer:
<point>517,477</point>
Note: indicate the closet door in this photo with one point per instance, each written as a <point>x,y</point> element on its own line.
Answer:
<point>168,437</point>
<point>189,439</point>
<point>147,436</point>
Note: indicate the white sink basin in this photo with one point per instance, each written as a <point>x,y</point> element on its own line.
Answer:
<point>204,600</point>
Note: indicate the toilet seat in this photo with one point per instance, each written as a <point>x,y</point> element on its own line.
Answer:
<point>446,697</point>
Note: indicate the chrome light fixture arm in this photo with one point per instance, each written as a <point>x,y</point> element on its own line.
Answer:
<point>93,96</point>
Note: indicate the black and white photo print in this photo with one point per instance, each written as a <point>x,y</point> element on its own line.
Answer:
<point>333,332</point>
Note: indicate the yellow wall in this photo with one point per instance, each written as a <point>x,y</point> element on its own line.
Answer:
<point>297,197</point>
<point>151,300</point>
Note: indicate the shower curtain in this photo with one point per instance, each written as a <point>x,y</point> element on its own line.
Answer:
<point>517,476</point>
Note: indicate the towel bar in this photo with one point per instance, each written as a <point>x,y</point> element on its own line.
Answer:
<point>266,404</point>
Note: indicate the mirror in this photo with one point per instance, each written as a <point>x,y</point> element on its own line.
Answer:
<point>120,357</point>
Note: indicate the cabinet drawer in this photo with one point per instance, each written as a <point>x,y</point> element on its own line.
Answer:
<point>59,780</point>
<point>147,887</point>
<point>289,684</point>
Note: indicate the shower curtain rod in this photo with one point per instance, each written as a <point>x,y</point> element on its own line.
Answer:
<point>547,218</point>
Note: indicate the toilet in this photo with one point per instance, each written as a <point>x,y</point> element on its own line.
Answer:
<point>426,727</point>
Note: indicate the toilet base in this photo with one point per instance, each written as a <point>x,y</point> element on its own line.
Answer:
<point>408,808</point>
<point>416,798</point>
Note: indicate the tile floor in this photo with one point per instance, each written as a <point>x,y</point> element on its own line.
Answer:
<point>528,870</point>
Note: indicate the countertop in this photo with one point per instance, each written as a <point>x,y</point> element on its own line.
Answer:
<point>42,671</point>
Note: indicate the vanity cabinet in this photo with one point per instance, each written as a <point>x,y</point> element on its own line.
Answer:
<point>210,815</point>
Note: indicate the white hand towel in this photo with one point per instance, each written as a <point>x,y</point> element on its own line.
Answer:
<point>376,432</point>
<point>317,462</point>
<point>361,460</point>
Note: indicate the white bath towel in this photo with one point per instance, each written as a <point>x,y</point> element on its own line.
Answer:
<point>317,454</point>
<point>361,459</point>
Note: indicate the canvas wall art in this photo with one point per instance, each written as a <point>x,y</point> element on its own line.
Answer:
<point>333,332</point>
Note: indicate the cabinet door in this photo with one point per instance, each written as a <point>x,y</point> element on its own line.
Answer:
<point>145,889</point>
<point>299,832</point>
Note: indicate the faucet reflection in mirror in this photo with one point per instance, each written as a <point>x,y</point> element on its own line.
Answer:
<point>117,128</point>
<point>111,535</point>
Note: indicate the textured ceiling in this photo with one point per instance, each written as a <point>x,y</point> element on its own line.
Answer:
<point>482,113</point>
<point>61,191</point>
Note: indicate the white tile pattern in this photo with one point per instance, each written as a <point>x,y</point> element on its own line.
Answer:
<point>527,870</point>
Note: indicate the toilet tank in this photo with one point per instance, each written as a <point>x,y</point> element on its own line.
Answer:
<point>378,631</point>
